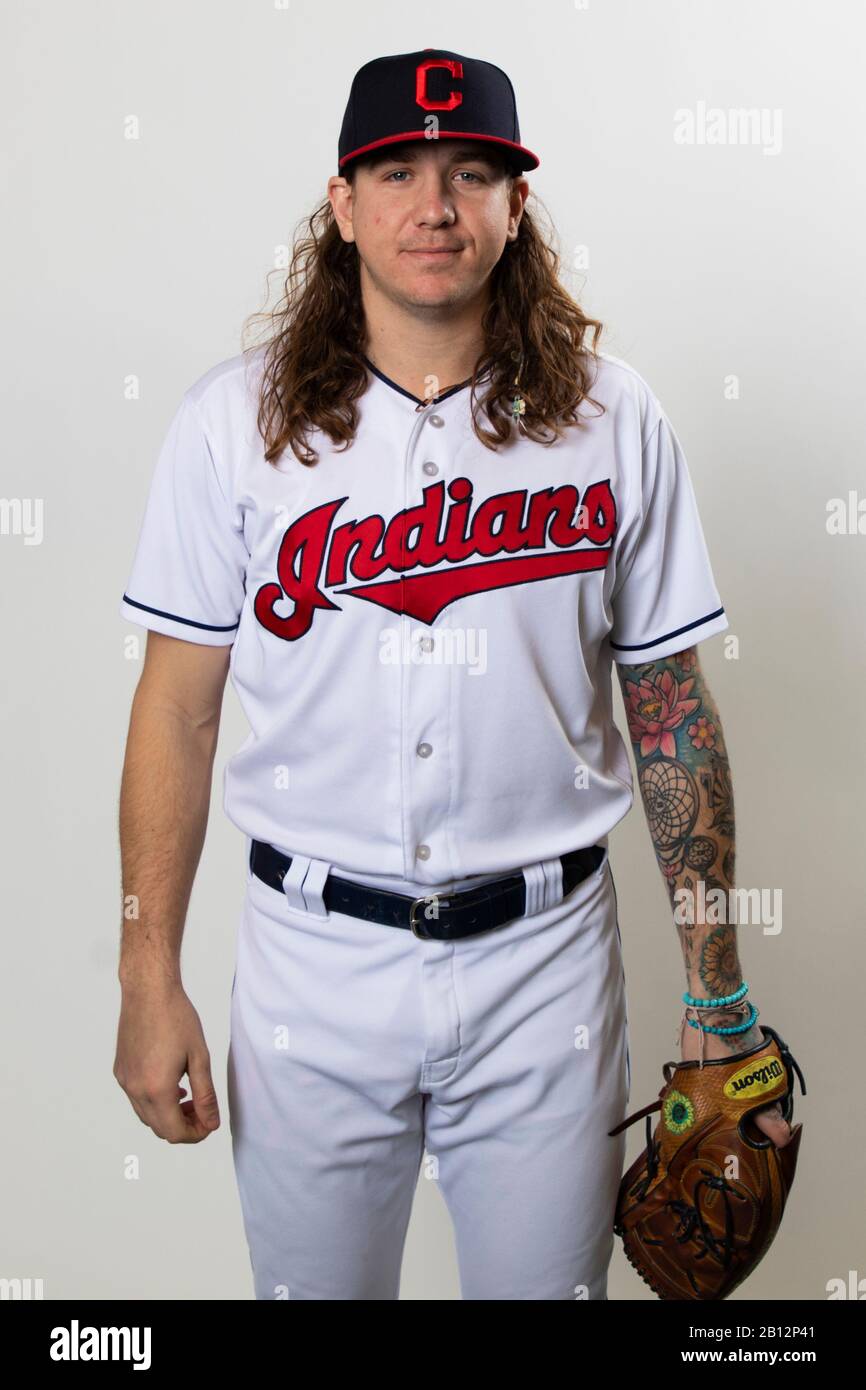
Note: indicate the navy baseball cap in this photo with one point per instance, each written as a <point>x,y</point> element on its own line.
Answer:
<point>392,98</point>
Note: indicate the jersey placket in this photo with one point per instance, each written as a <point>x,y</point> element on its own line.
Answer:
<point>427,680</point>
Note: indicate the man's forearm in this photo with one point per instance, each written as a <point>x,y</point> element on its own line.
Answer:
<point>164,803</point>
<point>685,783</point>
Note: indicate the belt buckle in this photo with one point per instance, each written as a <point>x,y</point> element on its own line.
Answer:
<point>413,923</point>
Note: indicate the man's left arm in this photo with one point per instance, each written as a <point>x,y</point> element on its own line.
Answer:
<point>686,787</point>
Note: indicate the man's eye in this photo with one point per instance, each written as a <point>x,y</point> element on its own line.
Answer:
<point>462,172</point>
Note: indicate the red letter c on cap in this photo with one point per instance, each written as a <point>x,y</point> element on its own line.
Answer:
<point>421,97</point>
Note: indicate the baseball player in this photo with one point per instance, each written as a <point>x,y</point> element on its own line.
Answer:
<point>419,524</point>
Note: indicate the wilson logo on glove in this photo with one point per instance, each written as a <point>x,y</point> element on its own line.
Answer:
<point>754,1081</point>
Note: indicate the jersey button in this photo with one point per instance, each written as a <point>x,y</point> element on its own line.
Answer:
<point>430,467</point>
<point>423,852</point>
<point>424,750</point>
<point>426,644</point>
<point>436,421</point>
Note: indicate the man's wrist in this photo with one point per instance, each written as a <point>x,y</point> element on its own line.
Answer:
<point>141,976</point>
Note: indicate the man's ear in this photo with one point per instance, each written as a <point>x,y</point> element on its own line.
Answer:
<point>341,194</point>
<point>519,195</point>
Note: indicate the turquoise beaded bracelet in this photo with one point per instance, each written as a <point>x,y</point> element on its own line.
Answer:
<point>716,1003</point>
<point>737,1028</point>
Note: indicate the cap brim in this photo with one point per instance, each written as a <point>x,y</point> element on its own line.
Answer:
<point>523,157</point>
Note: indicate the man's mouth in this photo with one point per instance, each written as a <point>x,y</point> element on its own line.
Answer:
<point>431,253</point>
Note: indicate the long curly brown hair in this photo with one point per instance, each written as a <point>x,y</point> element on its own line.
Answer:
<point>312,361</point>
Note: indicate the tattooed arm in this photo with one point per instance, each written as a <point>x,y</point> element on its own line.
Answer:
<point>685,783</point>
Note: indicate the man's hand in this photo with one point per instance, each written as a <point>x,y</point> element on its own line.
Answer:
<point>160,1038</point>
<point>769,1120</point>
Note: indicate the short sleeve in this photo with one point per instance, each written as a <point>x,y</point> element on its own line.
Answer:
<point>664,596</point>
<point>189,569</point>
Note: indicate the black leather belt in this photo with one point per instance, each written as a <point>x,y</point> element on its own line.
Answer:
<point>450,917</point>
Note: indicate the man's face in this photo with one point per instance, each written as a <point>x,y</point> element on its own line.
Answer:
<point>430,219</point>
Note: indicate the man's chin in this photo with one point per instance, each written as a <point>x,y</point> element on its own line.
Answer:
<point>433,300</point>
<point>434,290</point>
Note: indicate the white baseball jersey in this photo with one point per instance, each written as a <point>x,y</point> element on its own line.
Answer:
<point>422,628</point>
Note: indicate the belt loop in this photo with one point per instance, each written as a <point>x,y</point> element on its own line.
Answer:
<point>314,885</point>
<point>543,885</point>
<point>293,882</point>
<point>304,885</point>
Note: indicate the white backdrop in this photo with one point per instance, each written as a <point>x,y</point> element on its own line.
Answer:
<point>155,157</point>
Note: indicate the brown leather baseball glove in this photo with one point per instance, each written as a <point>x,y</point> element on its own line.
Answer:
<point>700,1207</point>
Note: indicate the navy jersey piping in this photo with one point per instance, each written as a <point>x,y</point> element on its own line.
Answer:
<point>190,622</point>
<point>443,395</point>
<point>675,632</point>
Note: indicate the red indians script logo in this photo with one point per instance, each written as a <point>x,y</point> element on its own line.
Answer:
<point>389,560</point>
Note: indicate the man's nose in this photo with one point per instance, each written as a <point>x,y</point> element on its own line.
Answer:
<point>434,199</point>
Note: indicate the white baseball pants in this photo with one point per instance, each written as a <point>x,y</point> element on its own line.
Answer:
<point>359,1052</point>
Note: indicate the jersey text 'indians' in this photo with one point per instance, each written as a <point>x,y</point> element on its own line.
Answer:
<point>313,552</point>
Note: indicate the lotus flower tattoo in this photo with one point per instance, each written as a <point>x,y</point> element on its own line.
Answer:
<point>655,708</point>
